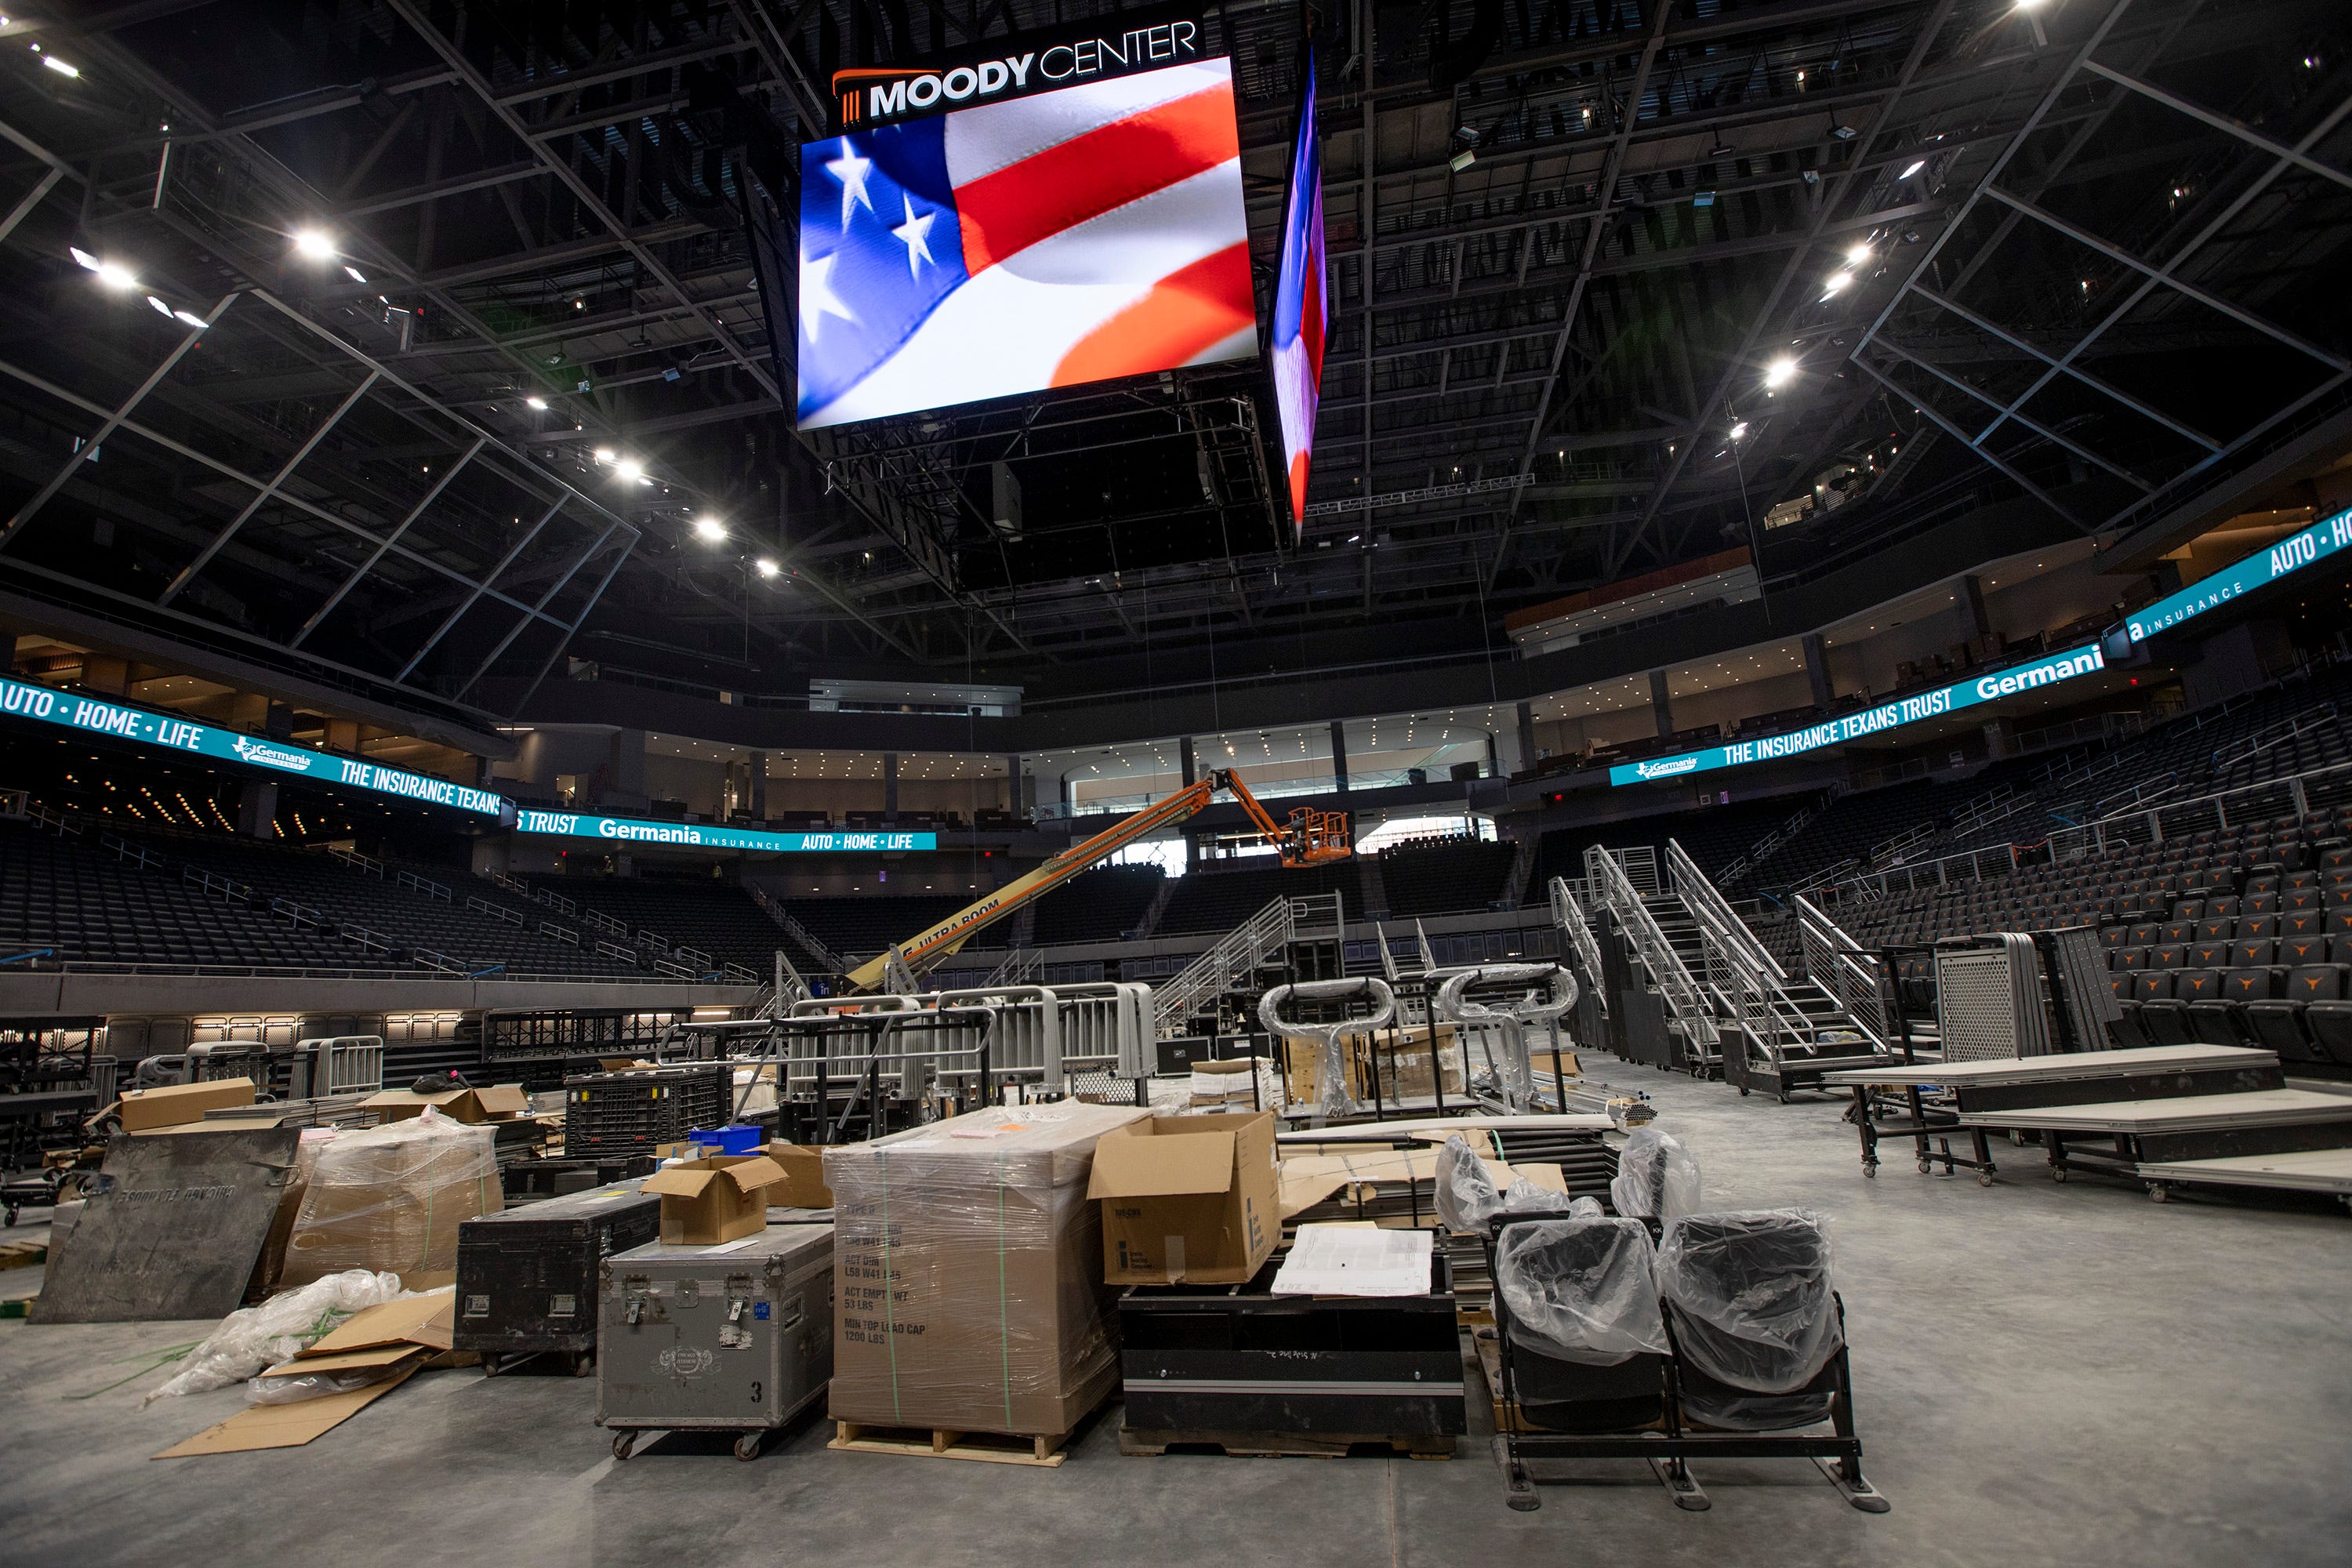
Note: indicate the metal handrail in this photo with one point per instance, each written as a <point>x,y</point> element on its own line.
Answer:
<point>1830,950</point>
<point>1685,1000</point>
<point>1879,884</point>
<point>1239,950</point>
<point>424,885</point>
<point>1762,995</point>
<point>2302,722</point>
<point>2295,789</point>
<point>1568,915</point>
<point>496,912</point>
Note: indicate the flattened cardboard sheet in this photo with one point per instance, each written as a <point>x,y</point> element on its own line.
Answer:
<point>282,1425</point>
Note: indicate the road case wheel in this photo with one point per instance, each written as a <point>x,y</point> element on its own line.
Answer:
<point>747,1446</point>
<point>622,1441</point>
<point>1984,1178</point>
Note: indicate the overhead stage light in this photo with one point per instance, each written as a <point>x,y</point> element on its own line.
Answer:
<point>114,275</point>
<point>1858,255</point>
<point>765,567</point>
<point>190,318</point>
<point>1778,372</point>
<point>158,306</point>
<point>709,529</point>
<point>1836,282</point>
<point>314,244</point>
<point>1917,165</point>
<point>628,468</point>
<point>1740,431</point>
<point>538,402</point>
<point>60,67</point>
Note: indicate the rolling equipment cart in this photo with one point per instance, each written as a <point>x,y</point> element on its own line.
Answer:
<point>732,1337</point>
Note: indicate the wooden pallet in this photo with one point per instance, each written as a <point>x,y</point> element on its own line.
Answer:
<point>24,1253</point>
<point>1284,1444</point>
<point>939,1442</point>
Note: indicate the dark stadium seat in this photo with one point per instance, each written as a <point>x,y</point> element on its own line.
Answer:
<point>2329,1025</point>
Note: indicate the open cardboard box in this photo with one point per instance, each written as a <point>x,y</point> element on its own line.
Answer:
<point>803,1186</point>
<point>1187,1198</point>
<point>717,1198</point>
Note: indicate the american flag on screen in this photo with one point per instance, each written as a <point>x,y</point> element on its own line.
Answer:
<point>1301,313</point>
<point>1070,237</point>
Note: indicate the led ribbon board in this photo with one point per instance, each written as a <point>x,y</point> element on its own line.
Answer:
<point>172,734</point>
<point>708,836</point>
<point>2289,554</point>
<point>1869,722</point>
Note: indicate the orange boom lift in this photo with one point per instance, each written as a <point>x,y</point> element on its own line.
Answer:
<point>1311,837</point>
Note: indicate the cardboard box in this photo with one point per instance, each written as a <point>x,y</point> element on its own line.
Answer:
<point>1186,1199</point>
<point>391,1198</point>
<point>147,1109</point>
<point>720,1197</point>
<point>496,1102</point>
<point>968,1273</point>
<point>804,1184</point>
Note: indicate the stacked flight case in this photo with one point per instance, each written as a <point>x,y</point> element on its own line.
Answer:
<point>732,1337</point>
<point>527,1276</point>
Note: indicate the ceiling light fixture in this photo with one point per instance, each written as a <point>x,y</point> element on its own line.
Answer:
<point>60,67</point>
<point>1917,165</point>
<point>538,402</point>
<point>1778,372</point>
<point>314,244</point>
<point>709,529</point>
<point>628,468</point>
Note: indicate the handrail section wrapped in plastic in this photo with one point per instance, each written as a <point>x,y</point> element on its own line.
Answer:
<point>1657,1176</point>
<point>1581,1288</point>
<point>1337,1099</point>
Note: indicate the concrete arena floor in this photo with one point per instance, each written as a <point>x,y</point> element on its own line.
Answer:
<point>2045,1374</point>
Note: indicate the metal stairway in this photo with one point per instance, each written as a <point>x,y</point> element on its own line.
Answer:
<point>1241,956</point>
<point>1625,884</point>
<point>1779,1032</point>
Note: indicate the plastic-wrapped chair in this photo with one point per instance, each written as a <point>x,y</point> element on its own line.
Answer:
<point>1657,1178</point>
<point>1575,1317</point>
<point>1759,1335</point>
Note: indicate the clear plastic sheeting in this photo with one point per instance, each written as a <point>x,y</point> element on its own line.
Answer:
<point>1467,1196</point>
<point>252,1338</point>
<point>294,1388</point>
<point>392,1197</point>
<point>1657,1176</point>
<point>1581,1288</point>
<point>1753,1307</point>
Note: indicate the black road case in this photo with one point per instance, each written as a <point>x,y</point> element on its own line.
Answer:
<point>527,1276</point>
<point>1237,1359</point>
